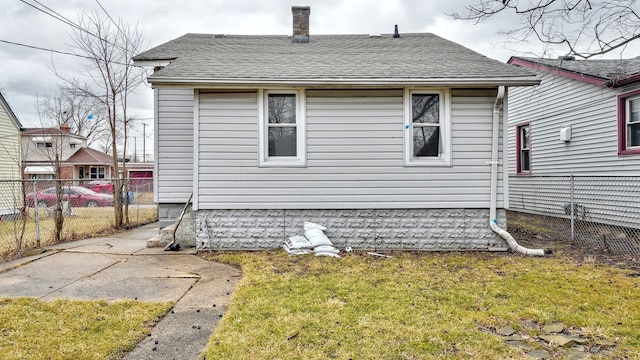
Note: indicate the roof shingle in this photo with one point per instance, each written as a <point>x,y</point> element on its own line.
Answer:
<point>607,69</point>
<point>340,58</point>
<point>89,156</point>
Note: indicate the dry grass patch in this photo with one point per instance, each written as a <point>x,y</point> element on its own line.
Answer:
<point>88,222</point>
<point>416,306</point>
<point>65,329</point>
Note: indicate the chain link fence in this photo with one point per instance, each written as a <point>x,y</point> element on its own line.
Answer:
<point>601,212</point>
<point>28,210</point>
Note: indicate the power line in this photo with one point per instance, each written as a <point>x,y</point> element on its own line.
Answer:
<point>67,21</point>
<point>44,49</point>
<point>65,53</point>
<point>135,48</point>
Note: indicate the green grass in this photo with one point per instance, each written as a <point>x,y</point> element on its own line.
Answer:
<point>416,306</point>
<point>64,329</point>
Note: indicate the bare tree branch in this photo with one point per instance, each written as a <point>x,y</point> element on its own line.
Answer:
<point>584,28</point>
<point>109,46</point>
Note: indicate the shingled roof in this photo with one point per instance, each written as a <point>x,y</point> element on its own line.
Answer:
<point>327,59</point>
<point>611,72</point>
<point>50,131</point>
<point>89,156</point>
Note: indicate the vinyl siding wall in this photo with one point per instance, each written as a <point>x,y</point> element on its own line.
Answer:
<point>9,147</point>
<point>175,144</point>
<point>591,112</point>
<point>354,154</point>
<point>604,185</point>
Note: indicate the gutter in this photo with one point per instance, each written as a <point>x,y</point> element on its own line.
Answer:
<point>230,82</point>
<point>493,222</point>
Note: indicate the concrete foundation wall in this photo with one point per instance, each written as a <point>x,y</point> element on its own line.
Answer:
<point>169,213</point>
<point>393,229</point>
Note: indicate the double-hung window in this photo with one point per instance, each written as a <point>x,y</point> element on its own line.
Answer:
<point>282,129</point>
<point>427,137</point>
<point>629,123</point>
<point>523,145</point>
<point>97,172</point>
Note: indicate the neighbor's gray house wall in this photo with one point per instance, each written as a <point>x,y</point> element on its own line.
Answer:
<point>355,180</point>
<point>174,151</point>
<point>592,113</point>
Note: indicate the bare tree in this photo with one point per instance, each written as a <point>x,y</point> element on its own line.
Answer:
<point>84,114</point>
<point>583,28</point>
<point>109,46</point>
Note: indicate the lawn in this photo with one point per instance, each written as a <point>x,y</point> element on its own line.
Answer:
<point>421,306</point>
<point>86,223</point>
<point>65,329</point>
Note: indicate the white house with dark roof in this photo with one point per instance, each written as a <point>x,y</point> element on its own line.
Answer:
<point>583,119</point>
<point>392,141</point>
<point>40,146</point>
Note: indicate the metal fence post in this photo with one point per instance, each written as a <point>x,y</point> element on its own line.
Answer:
<point>572,208</point>
<point>35,208</point>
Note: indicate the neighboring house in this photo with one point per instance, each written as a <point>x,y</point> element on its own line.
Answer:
<point>88,163</point>
<point>10,132</point>
<point>10,161</point>
<point>140,176</point>
<point>385,139</point>
<point>40,146</point>
<point>582,120</point>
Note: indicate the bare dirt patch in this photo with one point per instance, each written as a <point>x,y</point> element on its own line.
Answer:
<point>537,232</point>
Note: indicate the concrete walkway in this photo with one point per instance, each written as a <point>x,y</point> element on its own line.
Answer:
<point>122,267</point>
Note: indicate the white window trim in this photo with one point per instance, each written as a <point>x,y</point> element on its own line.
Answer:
<point>301,134</point>
<point>445,128</point>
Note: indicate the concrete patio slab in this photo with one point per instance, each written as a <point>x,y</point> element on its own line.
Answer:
<point>120,266</point>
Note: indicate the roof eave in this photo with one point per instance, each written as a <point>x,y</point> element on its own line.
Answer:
<point>490,81</point>
<point>153,63</point>
<point>10,113</point>
<point>626,81</point>
<point>590,79</point>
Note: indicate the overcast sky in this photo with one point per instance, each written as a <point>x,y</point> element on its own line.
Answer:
<point>26,73</point>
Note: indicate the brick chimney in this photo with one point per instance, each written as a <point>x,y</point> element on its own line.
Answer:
<point>65,127</point>
<point>300,24</point>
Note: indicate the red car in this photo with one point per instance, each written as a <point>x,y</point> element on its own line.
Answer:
<point>78,195</point>
<point>99,186</point>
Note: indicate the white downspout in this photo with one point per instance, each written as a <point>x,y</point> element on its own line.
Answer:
<point>493,222</point>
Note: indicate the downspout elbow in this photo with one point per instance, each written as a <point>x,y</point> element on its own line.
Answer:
<point>513,244</point>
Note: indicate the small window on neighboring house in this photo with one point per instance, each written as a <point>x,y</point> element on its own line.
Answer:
<point>426,130</point>
<point>629,123</point>
<point>44,145</point>
<point>72,146</point>
<point>282,135</point>
<point>523,145</point>
<point>96,172</point>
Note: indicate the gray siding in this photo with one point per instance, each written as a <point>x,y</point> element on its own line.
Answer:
<point>604,187</point>
<point>590,110</point>
<point>354,155</point>
<point>175,145</point>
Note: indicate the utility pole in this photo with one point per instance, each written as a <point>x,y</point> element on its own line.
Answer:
<point>135,149</point>
<point>144,142</point>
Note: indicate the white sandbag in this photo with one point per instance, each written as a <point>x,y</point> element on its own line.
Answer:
<point>327,254</point>
<point>309,225</point>
<point>294,252</point>
<point>298,242</point>
<point>317,237</point>
<point>325,248</point>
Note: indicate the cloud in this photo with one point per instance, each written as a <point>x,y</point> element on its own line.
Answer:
<point>24,72</point>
